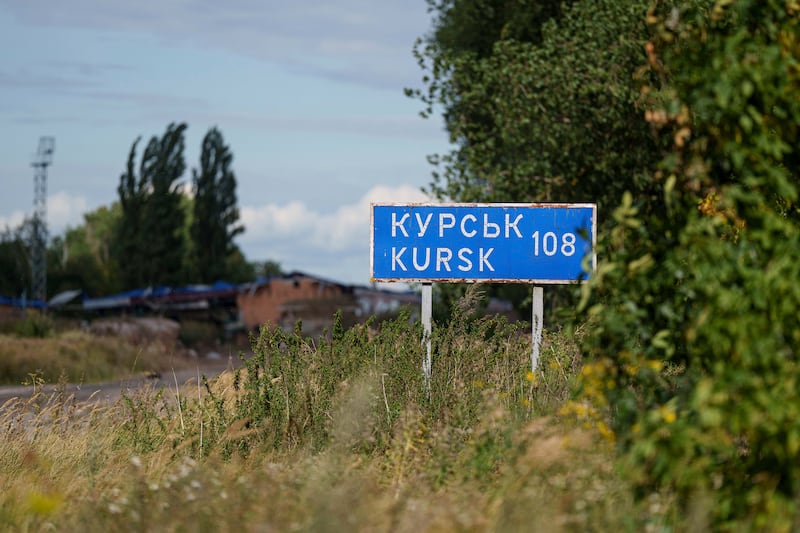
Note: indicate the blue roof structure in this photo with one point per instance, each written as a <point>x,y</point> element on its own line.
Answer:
<point>22,302</point>
<point>163,296</point>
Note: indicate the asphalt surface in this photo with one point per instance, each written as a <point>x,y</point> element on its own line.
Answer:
<point>112,390</point>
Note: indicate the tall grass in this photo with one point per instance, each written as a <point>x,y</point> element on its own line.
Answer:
<point>76,355</point>
<point>337,433</point>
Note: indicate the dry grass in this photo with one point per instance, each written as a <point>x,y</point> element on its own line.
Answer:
<point>487,453</point>
<point>65,467</point>
<point>79,357</point>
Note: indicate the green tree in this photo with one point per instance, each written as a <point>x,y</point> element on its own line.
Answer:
<point>238,269</point>
<point>82,258</point>
<point>215,214</point>
<point>15,266</point>
<point>129,248</point>
<point>695,341</point>
<point>540,99</point>
<point>70,272</point>
<point>164,219</point>
<point>150,236</point>
<point>267,268</point>
<point>542,103</point>
<point>474,26</point>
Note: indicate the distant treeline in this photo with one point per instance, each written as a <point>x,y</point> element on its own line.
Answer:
<point>163,230</point>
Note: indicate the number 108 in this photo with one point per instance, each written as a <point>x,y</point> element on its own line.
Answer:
<point>548,243</point>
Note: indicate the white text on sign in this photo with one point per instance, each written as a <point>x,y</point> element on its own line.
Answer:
<point>544,243</point>
<point>468,225</point>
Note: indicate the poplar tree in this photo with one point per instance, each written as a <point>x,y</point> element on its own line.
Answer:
<point>128,246</point>
<point>215,217</point>
<point>164,220</point>
<point>150,240</point>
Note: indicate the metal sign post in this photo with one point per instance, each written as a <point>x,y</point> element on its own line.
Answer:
<point>425,317</point>
<point>537,319</point>
<point>494,243</point>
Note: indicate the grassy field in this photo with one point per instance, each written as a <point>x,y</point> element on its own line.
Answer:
<point>76,357</point>
<point>41,350</point>
<point>332,434</point>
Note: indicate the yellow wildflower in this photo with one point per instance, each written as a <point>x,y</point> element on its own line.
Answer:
<point>667,414</point>
<point>605,431</point>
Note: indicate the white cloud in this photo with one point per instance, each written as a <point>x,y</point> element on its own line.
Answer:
<point>328,244</point>
<point>12,221</point>
<point>337,231</point>
<point>348,227</point>
<point>65,210</point>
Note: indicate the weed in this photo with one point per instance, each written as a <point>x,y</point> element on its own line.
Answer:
<point>35,325</point>
<point>333,433</point>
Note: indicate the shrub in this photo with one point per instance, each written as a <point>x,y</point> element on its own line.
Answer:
<point>695,334</point>
<point>36,325</point>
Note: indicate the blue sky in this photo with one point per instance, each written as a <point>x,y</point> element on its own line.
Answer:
<point>308,95</point>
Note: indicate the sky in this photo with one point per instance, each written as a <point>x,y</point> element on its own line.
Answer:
<point>308,95</point>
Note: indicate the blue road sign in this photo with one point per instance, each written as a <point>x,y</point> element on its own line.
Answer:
<point>508,243</point>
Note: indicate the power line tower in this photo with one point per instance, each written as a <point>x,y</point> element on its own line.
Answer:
<point>42,159</point>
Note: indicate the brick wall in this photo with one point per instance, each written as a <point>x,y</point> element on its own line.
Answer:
<point>263,303</point>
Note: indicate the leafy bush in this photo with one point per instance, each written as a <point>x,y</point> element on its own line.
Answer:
<point>35,325</point>
<point>695,334</point>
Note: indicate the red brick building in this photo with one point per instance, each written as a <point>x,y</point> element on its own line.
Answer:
<point>282,300</point>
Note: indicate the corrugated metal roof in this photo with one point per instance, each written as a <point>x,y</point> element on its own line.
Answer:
<point>64,298</point>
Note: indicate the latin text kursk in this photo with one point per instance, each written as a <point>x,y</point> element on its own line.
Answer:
<point>445,224</point>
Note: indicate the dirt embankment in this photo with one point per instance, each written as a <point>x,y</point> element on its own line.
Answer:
<point>144,331</point>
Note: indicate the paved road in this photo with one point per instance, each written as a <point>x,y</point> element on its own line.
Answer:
<point>111,391</point>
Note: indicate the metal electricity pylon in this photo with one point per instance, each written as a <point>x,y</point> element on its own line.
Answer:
<point>42,159</point>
